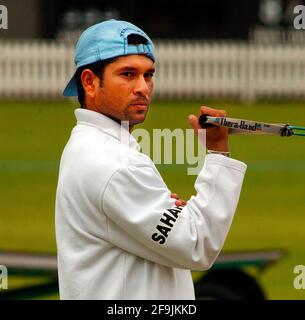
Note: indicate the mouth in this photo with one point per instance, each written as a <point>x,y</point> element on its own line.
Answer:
<point>140,105</point>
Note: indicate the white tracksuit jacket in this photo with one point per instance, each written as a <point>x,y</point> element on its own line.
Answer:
<point>119,234</point>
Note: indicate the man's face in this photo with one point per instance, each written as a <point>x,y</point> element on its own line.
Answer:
<point>126,89</point>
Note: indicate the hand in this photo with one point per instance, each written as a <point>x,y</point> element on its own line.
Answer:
<point>178,202</point>
<point>216,136</point>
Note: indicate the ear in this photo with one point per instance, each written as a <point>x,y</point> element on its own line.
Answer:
<point>89,80</point>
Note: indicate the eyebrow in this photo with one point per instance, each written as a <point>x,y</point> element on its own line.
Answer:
<point>128,68</point>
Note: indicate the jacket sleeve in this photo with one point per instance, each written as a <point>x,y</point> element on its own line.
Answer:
<point>143,218</point>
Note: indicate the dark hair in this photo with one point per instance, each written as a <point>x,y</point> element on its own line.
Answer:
<point>98,69</point>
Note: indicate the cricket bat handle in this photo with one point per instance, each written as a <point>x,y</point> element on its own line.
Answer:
<point>240,126</point>
<point>203,123</point>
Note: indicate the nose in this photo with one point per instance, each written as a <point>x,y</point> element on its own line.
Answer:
<point>141,87</point>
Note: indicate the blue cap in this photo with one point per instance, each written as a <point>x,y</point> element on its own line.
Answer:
<point>107,40</point>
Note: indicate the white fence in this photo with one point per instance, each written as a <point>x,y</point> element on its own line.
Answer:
<point>34,69</point>
<point>185,69</point>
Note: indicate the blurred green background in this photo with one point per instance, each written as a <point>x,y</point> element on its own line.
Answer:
<point>271,211</point>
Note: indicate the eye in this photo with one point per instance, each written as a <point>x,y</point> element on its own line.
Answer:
<point>127,74</point>
<point>149,75</point>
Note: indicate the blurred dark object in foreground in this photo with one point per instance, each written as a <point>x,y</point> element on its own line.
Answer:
<point>194,19</point>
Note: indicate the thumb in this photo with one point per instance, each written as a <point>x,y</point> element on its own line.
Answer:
<point>193,121</point>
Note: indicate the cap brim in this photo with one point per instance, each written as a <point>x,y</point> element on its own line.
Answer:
<point>71,88</point>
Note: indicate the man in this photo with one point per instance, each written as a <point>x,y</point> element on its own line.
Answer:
<point>120,232</point>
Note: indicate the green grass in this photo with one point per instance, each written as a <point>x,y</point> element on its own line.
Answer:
<point>271,208</point>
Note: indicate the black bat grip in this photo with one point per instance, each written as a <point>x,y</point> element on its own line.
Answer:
<point>202,121</point>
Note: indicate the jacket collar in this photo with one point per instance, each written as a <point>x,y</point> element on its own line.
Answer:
<point>107,125</point>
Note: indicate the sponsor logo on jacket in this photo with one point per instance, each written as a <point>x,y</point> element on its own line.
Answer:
<point>167,221</point>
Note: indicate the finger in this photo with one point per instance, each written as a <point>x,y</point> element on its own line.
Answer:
<point>174,196</point>
<point>180,203</point>
<point>212,112</point>
<point>193,121</point>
